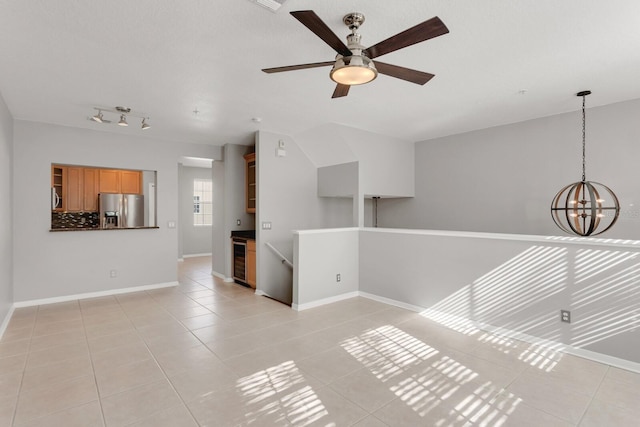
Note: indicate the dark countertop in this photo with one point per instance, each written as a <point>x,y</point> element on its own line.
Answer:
<point>98,229</point>
<point>244,234</point>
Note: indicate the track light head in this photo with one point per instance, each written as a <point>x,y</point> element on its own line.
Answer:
<point>97,117</point>
<point>145,125</point>
<point>123,120</point>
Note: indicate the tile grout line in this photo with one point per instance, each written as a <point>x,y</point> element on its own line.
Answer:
<point>24,367</point>
<point>93,369</point>
<point>595,393</point>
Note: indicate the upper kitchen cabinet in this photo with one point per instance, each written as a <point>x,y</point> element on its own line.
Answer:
<point>130,182</point>
<point>91,189</point>
<point>250,193</point>
<point>75,189</point>
<point>120,181</point>
<point>109,181</point>
<point>80,188</point>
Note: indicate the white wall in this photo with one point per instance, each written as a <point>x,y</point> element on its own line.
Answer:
<point>503,179</point>
<point>55,264</point>
<point>338,180</point>
<point>287,197</point>
<point>6,217</point>
<point>519,283</point>
<point>319,256</point>
<point>386,163</point>
<point>514,284</point>
<point>220,241</point>
<point>195,239</point>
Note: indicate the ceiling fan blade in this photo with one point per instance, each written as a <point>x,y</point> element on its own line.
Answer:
<point>297,67</point>
<point>313,22</point>
<point>429,29</point>
<point>413,76</point>
<point>341,90</point>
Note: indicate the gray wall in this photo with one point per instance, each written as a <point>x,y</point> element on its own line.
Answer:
<point>6,219</point>
<point>503,179</point>
<point>55,264</point>
<point>195,239</point>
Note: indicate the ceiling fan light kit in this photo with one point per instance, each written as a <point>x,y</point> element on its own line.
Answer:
<point>585,208</point>
<point>353,64</point>
<point>124,112</point>
<point>355,69</point>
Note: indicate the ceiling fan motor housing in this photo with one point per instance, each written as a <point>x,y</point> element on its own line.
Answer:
<point>355,69</point>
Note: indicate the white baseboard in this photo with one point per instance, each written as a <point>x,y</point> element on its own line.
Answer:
<point>228,279</point>
<point>218,275</point>
<point>260,293</point>
<point>196,255</point>
<point>180,259</point>
<point>565,348</point>
<point>391,302</point>
<point>324,301</point>
<point>93,294</point>
<point>7,319</point>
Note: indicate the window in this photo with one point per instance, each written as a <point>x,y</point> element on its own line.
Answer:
<point>202,202</point>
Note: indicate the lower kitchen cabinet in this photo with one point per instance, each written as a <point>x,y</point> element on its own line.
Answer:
<point>251,263</point>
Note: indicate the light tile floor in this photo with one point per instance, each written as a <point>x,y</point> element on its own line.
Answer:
<point>208,353</point>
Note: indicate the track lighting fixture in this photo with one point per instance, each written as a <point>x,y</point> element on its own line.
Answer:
<point>123,112</point>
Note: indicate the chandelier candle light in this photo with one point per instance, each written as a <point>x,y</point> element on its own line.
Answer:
<point>585,208</point>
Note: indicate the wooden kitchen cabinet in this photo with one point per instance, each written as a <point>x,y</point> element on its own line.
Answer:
<point>120,181</point>
<point>80,189</point>
<point>251,263</point>
<point>250,193</point>
<point>130,182</point>
<point>109,181</point>
<point>74,189</point>
<point>91,189</point>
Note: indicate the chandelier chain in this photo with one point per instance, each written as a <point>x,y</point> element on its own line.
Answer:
<point>584,136</point>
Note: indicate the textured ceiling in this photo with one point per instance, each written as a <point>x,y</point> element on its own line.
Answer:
<point>166,59</point>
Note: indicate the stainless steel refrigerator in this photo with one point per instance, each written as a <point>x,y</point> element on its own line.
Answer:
<point>121,210</point>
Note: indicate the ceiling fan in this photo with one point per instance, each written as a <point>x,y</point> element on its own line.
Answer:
<point>353,64</point>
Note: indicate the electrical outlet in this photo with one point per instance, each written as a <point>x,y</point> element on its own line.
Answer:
<point>338,277</point>
<point>565,316</point>
<point>238,222</point>
<point>113,273</point>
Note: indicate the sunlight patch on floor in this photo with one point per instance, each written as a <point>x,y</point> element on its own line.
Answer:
<point>281,390</point>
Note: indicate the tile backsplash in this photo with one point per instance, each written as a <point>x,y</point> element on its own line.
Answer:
<point>74,220</point>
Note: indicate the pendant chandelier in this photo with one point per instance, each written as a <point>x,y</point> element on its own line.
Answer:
<point>585,208</point>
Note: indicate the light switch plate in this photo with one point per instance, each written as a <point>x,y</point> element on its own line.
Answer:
<point>171,224</point>
<point>266,225</point>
